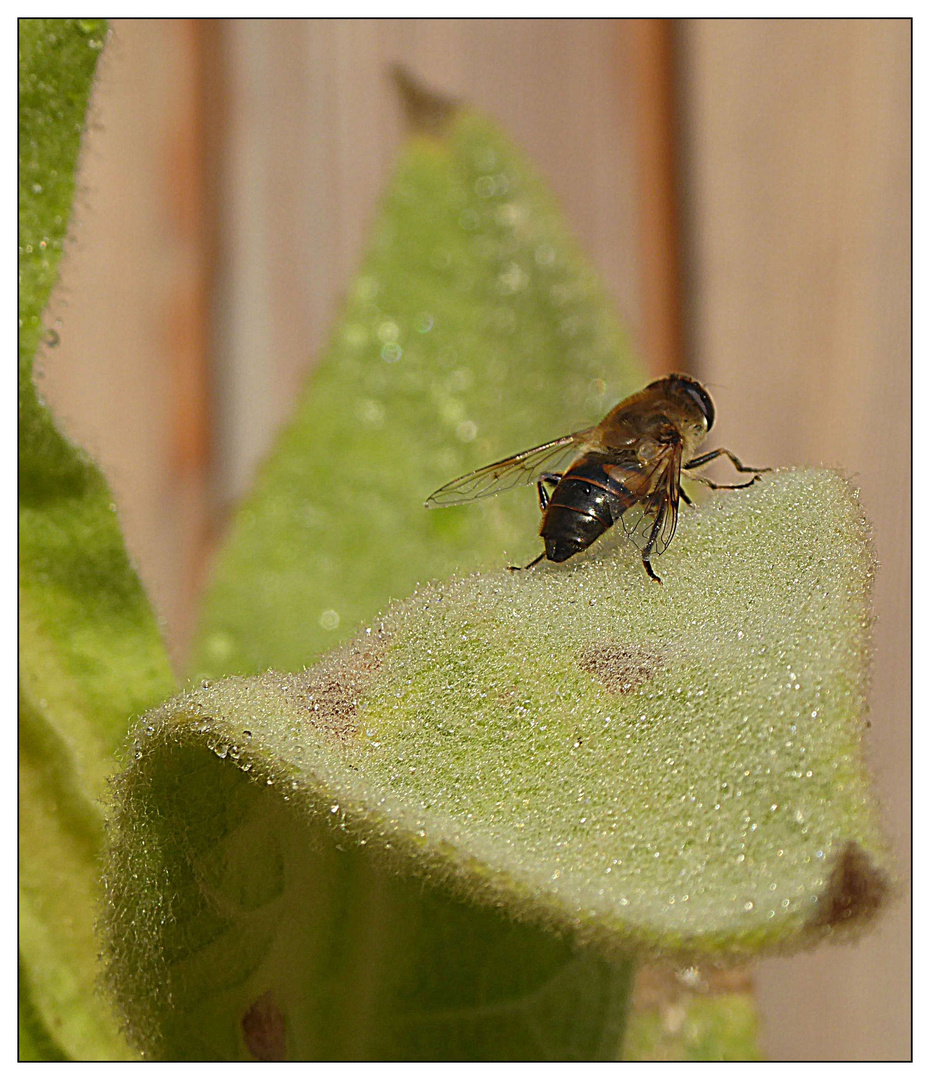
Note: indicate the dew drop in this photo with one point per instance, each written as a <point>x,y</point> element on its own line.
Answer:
<point>354,335</point>
<point>370,412</point>
<point>484,187</point>
<point>388,330</point>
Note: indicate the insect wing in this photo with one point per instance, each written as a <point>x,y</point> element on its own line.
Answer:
<point>652,516</point>
<point>503,475</point>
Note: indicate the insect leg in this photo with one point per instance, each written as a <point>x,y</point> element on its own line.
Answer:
<point>546,478</point>
<point>704,459</point>
<point>650,571</point>
<point>528,565</point>
<point>726,487</point>
<point>647,550</point>
<point>684,495</point>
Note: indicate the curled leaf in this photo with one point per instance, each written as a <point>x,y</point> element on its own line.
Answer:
<point>670,769</point>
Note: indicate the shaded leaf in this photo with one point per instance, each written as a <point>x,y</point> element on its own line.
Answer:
<point>90,654</point>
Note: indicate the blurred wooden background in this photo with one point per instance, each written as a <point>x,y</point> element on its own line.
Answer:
<point>743,187</point>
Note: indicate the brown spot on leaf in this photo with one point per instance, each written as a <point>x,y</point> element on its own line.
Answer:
<point>855,891</point>
<point>621,669</point>
<point>329,694</point>
<point>263,1029</point>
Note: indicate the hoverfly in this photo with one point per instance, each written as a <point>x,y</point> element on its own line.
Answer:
<point>627,468</point>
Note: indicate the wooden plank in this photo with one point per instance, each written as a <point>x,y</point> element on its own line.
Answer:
<point>652,49</point>
<point>799,246</point>
<point>127,376</point>
<point>315,125</point>
<point>190,201</point>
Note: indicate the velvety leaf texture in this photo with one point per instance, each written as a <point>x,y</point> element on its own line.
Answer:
<point>622,767</point>
<point>90,656</point>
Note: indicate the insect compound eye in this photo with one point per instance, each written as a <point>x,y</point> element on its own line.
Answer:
<point>693,389</point>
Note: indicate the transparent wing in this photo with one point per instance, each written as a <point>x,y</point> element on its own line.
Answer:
<point>652,516</point>
<point>503,475</point>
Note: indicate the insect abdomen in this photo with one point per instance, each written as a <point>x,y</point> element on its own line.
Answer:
<point>585,503</point>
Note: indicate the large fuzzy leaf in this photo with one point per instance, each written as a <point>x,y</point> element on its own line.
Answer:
<point>91,657</point>
<point>670,769</point>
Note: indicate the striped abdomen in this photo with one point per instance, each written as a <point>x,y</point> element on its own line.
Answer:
<point>585,503</point>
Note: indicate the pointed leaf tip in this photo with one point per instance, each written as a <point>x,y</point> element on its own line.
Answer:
<point>428,112</point>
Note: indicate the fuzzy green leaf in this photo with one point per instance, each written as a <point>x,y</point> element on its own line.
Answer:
<point>691,1014</point>
<point>474,330</point>
<point>90,654</point>
<point>670,769</point>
